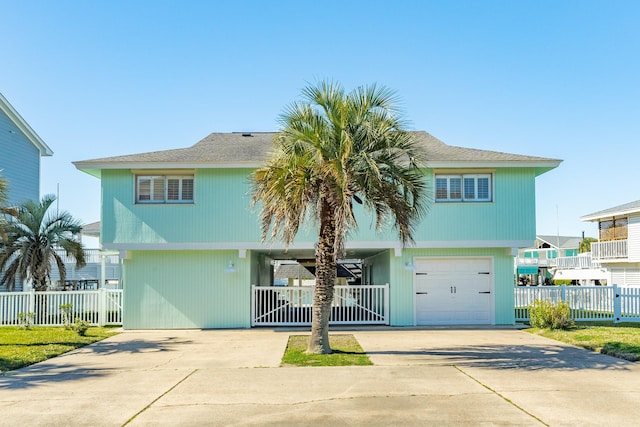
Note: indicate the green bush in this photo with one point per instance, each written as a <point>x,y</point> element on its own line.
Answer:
<point>81,326</point>
<point>25,320</point>
<point>66,315</point>
<point>544,314</point>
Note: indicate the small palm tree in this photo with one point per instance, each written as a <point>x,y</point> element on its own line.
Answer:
<point>32,236</point>
<point>335,148</point>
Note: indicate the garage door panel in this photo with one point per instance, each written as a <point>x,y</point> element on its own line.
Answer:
<point>453,291</point>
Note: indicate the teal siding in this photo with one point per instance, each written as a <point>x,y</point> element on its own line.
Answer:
<point>222,213</point>
<point>19,162</point>
<point>511,216</point>
<point>379,266</point>
<point>186,289</point>
<point>401,288</point>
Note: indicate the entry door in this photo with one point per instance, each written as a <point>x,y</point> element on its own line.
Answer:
<point>453,291</point>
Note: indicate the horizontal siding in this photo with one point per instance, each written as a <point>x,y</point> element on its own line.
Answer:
<point>626,276</point>
<point>19,162</point>
<point>222,213</point>
<point>633,238</point>
<point>186,289</point>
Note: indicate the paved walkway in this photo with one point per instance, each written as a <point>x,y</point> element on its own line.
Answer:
<point>421,377</point>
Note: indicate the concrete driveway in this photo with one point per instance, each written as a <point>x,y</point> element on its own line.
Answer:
<point>441,376</point>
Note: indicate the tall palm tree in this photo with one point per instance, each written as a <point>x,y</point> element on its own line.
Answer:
<point>335,148</point>
<point>33,234</point>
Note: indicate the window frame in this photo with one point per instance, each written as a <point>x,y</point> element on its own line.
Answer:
<point>153,193</point>
<point>459,191</point>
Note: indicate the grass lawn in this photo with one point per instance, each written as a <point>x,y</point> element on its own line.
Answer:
<point>346,352</point>
<point>615,339</point>
<point>21,347</point>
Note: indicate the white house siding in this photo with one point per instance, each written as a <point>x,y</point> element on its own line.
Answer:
<point>626,276</point>
<point>633,239</point>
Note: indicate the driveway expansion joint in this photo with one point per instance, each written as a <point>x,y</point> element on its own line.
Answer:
<point>509,401</point>
<point>160,397</point>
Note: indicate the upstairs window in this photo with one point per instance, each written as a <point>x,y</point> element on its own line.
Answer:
<point>164,189</point>
<point>463,188</point>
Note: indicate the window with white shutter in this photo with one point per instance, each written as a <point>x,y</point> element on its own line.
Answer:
<point>164,188</point>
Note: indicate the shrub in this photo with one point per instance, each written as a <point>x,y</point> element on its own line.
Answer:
<point>547,315</point>
<point>66,315</point>
<point>25,321</point>
<point>81,326</point>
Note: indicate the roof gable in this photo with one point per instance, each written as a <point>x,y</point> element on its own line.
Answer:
<point>24,127</point>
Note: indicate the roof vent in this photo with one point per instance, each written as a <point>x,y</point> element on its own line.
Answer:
<point>246,134</point>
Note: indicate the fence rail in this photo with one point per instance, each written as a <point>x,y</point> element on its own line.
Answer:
<point>586,302</point>
<point>291,306</point>
<point>100,307</point>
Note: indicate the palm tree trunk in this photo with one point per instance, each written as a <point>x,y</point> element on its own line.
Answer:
<point>325,279</point>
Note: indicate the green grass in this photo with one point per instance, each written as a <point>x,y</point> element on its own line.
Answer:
<point>620,340</point>
<point>346,352</point>
<point>21,347</point>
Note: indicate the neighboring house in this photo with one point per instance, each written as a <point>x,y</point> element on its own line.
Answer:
<point>20,152</point>
<point>21,149</point>
<point>535,265</point>
<point>618,245</point>
<point>191,245</point>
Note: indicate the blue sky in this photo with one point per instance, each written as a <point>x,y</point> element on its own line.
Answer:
<point>555,79</point>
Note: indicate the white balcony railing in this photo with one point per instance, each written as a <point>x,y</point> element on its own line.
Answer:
<point>610,250</point>
<point>582,261</point>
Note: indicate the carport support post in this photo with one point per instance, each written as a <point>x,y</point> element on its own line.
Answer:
<point>617,305</point>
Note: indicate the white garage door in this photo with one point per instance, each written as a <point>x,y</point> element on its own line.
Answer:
<point>453,291</point>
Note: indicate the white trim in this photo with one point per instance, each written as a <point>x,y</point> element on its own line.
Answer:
<point>82,165</point>
<point>494,164</point>
<point>24,127</point>
<point>610,214</point>
<point>310,245</point>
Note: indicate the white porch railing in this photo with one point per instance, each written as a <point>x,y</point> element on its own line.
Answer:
<point>99,307</point>
<point>582,261</point>
<point>291,306</point>
<point>612,249</point>
<point>586,302</point>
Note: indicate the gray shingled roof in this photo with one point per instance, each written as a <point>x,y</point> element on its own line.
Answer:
<point>627,208</point>
<point>294,271</point>
<point>254,148</point>
<point>566,242</point>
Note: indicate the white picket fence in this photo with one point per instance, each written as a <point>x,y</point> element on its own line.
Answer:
<point>291,306</point>
<point>619,304</point>
<point>98,307</point>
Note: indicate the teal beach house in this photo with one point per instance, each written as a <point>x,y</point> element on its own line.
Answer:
<point>192,254</point>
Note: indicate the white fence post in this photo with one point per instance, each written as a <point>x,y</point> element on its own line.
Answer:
<point>617,306</point>
<point>387,317</point>
<point>252,300</point>
<point>32,302</point>
<point>102,306</point>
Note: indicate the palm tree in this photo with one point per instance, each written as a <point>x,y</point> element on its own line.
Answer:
<point>335,148</point>
<point>32,236</point>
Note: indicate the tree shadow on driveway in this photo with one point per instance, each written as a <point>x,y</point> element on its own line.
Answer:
<point>67,367</point>
<point>507,357</point>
